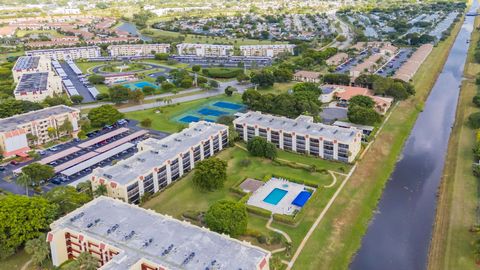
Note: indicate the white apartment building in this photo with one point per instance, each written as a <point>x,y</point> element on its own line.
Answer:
<point>301,135</point>
<point>122,236</point>
<point>137,49</point>
<point>158,163</point>
<point>68,53</point>
<point>204,49</point>
<point>35,87</point>
<point>267,50</point>
<point>30,64</point>
<point>14,130</point>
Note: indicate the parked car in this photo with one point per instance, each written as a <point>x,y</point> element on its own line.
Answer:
<point>56,181</point>
<point>14,162</point>
<point>42,152</point>
<point>2,168</point>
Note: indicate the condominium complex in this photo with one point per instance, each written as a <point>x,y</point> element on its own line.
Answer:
<point>14,130</point>
<point>161,162</point>
<point>137,49</point>
<point>122,236</point>
<point>35,87</point>
<point>267,50</point>
<point>307,76</point>
<point>30,64</point>
<point>204,49</point>
<point>301,135</point>
<point>68,53</point>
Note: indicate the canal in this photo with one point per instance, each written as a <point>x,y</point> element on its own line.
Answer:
<point>133,30</point>
<point>399,234</point>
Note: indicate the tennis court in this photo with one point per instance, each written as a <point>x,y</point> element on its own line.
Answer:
<point>209,112</point>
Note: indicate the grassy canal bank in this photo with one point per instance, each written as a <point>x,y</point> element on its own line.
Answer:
<point>452,244</point>
<point>339,235</point>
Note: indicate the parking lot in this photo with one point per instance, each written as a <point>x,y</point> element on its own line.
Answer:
<point>395,63</point>
<point>351,62</point>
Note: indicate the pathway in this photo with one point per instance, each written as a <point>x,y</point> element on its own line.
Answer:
<point>289,240</point>
<point>26,265</point>
<point>333,182</point>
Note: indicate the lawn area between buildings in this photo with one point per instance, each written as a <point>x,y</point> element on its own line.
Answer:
<point>334,243</point>
<point>452,244</point>
<point>16,261</point>
<point>183,197</point>
<point>164,121</point>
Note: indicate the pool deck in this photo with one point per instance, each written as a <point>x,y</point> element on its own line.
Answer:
<point>284,206</point>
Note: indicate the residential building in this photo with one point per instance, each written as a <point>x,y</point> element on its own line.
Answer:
<point>344,93</point>
<point>122,236</point>
<point>35,87</point>
<point>113,78</point>
<point>30,64</point>
<point>137,49</point>
<point>410,67</point>
<point>158,163</point>
<point>68,53</point>
<point>337,59</point>
<point>370,65</point>
<point>307,76</point>
<point>267,50</point>
<point>7,31</point>
<point>15,130</point>
<point>301,135</point>
<point>204,49</point>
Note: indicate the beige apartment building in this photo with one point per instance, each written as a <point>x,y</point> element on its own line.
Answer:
<point>137,49</point>
<point>30,64</point>
<point>204,49</point>
<point>123,236</point>
<point>158,163</point>
<point>35,87</point>
<point>72,53</point>
<point>301,135</point>
<point>15,130</point>
<point>267,50</point>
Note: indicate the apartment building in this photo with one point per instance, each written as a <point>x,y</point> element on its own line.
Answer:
<point>301,135</point>
<point>122,236</point>
<point>307,76</point>
<point>267,50</point>
<point>68,53</point>
<point>15,130</point>
<point>137,49</point>
<point>337,59</point>
<point>30,64</point>
<point>204,49</point>
<point>35,87</point>
<point>158,163</point>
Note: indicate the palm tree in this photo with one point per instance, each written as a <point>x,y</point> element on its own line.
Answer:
<point>87,262</point>
<point>24,180</point>
<point>39,249</point>
<point>100,190</point>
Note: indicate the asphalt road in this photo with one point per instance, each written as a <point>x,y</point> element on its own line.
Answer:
<point>81,88</point>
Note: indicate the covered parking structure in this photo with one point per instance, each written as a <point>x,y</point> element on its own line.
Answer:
<point>97,159</point>
<point>74,161</point>
<point>59,155</point>
<point>103,137</point>
<point>123,140</point>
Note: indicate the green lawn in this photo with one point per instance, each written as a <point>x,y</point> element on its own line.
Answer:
<point>23,33</point>
<point>183,196</point>
<point>15,261</point>
<point>163,121</point>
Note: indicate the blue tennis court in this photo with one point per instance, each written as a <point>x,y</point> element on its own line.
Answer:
<point>211,112</point>
<point>139,85</point>
<point>227,105</point>
<point>189,119</point>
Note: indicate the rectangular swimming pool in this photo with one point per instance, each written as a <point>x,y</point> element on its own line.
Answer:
<point>227,105</point>
<point>275,196</point>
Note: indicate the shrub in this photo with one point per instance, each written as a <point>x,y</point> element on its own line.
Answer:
<point>474,120</point>
<point>227,217</point>
<point>224,73</point>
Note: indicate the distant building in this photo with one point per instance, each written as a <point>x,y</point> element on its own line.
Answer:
<point>68,53</point>
<point>301,135</point>
<point>128,237</point>
<point>114,78</point>
<point>159,163</point>
<point>307,76</point>
<point>337,59</point>
<point>370,65</point>
<point>35,87</point>
<point>411,66</point>
<point>30,64</point>
<point>14,130</point>
<point>204,49</point>
<point>344,93</point>
<point>267,50</point>
<point>137,49</point>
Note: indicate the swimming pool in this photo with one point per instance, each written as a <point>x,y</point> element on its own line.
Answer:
<point>275,196</point>
<point>139,85</point>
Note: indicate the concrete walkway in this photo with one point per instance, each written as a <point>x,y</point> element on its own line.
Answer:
<point>268,226</point>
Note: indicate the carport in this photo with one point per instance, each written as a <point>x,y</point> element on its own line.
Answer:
<point>103,137</point>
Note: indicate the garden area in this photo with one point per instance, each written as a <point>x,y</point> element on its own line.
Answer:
<point>184,200</point>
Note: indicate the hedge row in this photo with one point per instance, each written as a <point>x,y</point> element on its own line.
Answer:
<point>303,182</point>
<point>258,211</point>
<point>224,73</point>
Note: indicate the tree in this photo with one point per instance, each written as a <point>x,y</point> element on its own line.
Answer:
<point>85,187</point>
<point>167,86</point>
<point>101,190</point>
<point>213,84</point>
<point>210,174</point>
<point>161,56</point>
<point>96,79</point>
<point>66,127</point>
<point>362,115</point>
<point>308,87</point>
<point>104,115</point>
<point>76,99</point>
<point>52,132</point>
<point>148,90</point>
<point>147,122</point>
<point>227,217</point>
<point>39,250</point>
<point>85,261</point>
<point>260,147</point>
<point>476,100</point>
<point>21,219</point>
<point>282,75</point>
<point>119,93</point>
<point>24,180</point>
<point>363,101</point>
<point>230,90</point>
<point>38,172</point>
<point>263,78</point>
<point>186,82</point>
<point>335,78</point>
<point>474,120</point>
<point>160,79</point>
<point>67,198</point>
<point>242,77</point>
<point>136,96</point>
<point>196,68</point>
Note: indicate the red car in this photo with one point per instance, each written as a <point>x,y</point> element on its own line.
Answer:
<point>14,162</point>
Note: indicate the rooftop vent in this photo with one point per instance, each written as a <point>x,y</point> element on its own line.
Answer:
<point>91,224</point>
<point>126,166</point>
<point>177,140</point>
<point>77,216</point>
<point>335,131</point>
<point>164,146</point>
<point>167,250</point>
<point>108,176</point>
<point>129,236</point>
<point>112,229</point>
<point>141,159</point>
<point>189,258</point>
<point>147,242</point>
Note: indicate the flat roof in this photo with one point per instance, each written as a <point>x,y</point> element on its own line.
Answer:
<point>62,49</point>
<point>97,159</point>
<point>74,161</point>
<point>347,124</point>
<point>167,148</point>
<point>12,123</point>
<point>158,238</point>
<point>103,137</point>
<point>59,155</point>
<point>302,124</point>
<point>26,63</point>
<point>123,140</point>
<point>32,82</point>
